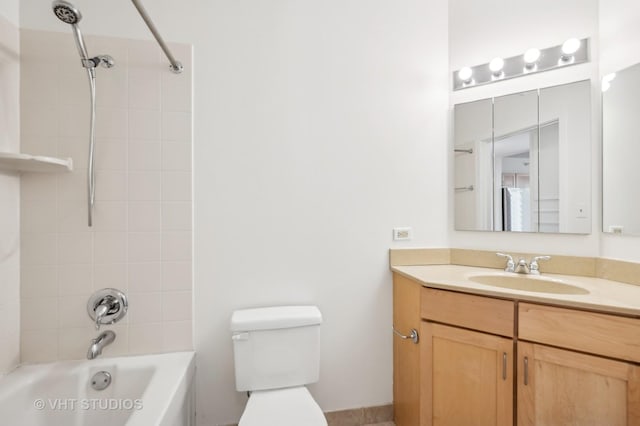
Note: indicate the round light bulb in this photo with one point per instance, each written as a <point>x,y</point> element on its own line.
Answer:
<point>571,46</point>
<point>496,65</point>
<point>465,74</point>
<point>531,56</point>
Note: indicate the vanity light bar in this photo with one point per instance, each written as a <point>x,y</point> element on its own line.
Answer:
<point>571,52</point>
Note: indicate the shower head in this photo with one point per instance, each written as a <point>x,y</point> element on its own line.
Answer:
<point>66,12</point>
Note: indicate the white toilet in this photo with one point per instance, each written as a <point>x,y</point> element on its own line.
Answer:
<point>277,352</point>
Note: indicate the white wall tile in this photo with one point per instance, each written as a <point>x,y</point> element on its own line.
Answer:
<point>38,216</point>
<point>176,306</point>
<point>111,186</point>
<point>145,277</point>
<point>145,338</point>
<point>110,154</point>
<point>110,275</point>
<point>110,247</point>
<point>38,249</point>
<point>144,88</point>
<point>177,336</point>
<point>143,191</point>
<point>145,156</point>
<point>73,312</point>
<point>176,216</point>
<point>145,307</point>
<point>144,247</point>
<point>176,246</point>
<point>176,276</point>
<point>38,282</point>
<point>38,345</point>
<point>176,186</point>
<point>145,124</point>
<point>74,280</point>
<point>145,216</point>
<point>75,247</point>
<point>112,123</point>
<point>176,126</point>
<point>39,313</point>
<point>176,156</point>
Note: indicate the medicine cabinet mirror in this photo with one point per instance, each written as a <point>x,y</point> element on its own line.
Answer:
<point>523,161</point>
<point>620,151</point>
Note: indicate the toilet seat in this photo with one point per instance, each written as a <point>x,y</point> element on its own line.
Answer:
<point>282,407</point>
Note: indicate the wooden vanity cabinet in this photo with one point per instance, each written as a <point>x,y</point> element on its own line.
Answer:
<point>467,377</point>
<point>566,366</point>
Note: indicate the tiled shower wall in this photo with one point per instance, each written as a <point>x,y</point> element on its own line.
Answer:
<point>141,239</point>
<point>9,199</point>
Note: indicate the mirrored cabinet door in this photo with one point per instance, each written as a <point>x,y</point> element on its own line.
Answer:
<point>523,161</point>
<point>620,152</point>
<point>515,147</point>
<point>473,153</point>
<point>565,159</point>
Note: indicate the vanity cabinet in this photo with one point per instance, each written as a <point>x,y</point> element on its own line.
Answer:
<point>489,361</point>
<point>467,377</point>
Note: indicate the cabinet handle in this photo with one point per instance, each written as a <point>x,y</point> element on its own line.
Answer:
<point>526,371</point>
<point>504,366</point>
<point>413,335</point>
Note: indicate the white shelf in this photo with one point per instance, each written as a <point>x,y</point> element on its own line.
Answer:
<point>33,163</point>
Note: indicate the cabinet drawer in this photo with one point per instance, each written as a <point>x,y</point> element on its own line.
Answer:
<point>464,310</point>
<point>602,334</point>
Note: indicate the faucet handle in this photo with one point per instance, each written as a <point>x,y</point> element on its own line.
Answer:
<point>511,266</point>
<point>534,268</point>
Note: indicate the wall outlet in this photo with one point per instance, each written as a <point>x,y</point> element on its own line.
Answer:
<point>402,234</point>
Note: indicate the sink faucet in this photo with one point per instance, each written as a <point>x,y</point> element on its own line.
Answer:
<point>522,267</point>
<point>97,345</point>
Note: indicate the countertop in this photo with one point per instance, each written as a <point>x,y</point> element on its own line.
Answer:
<point>604,295</point>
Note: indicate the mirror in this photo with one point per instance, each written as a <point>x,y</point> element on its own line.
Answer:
<point>620,151</point>
<point>523,161</point>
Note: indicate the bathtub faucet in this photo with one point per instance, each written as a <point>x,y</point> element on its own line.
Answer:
<point>105,338</point>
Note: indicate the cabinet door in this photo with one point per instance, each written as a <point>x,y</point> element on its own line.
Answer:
<point>560,387</point>
<point>467,377</point>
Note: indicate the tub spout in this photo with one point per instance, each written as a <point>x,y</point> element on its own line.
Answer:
<point>105,338</point>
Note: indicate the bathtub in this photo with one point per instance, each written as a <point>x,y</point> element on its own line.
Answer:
<point>145,391</point>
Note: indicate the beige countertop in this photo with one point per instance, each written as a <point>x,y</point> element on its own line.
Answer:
<point>603,295</point>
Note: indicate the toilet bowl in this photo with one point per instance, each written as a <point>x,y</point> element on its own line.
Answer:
<point>282,407</point>
<point>276,353</point>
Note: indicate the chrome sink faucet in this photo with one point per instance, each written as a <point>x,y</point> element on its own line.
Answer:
<point>98,344</point>
<point>522,267</point>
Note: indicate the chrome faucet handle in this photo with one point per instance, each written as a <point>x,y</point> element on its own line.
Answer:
<point>534,268</point>
<point>511,266</point>
<point>107,306</point>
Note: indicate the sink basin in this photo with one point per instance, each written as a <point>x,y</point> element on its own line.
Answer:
<point>528,283</point>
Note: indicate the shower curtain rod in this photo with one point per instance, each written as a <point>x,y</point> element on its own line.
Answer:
<point>175,66</point>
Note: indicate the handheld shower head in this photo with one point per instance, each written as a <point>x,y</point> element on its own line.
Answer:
<point>66,12</point>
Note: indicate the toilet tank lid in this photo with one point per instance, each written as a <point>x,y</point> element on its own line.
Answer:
<point>275,317</point>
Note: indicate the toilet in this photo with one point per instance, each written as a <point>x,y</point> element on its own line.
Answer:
<point>276,353</point>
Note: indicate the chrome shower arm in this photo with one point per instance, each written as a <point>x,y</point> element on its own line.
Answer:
<point>175,66</point>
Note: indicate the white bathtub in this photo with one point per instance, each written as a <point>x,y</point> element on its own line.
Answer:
<point>145,391</point>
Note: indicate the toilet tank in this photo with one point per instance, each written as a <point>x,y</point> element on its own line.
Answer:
<point>276,347</point>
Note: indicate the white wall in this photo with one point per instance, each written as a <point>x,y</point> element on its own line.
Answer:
<point>480,31</point>
<point>9,196</point>
<point>620,48</point>
<point>319,126</point>
<point>9,9</point>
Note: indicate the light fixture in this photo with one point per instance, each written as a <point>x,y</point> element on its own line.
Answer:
<point>531,57</point>
<point>465,74</point>
<point>496,65</point>
<point>569,47</point>
<point>533,60</point>
<point>606,81</point>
